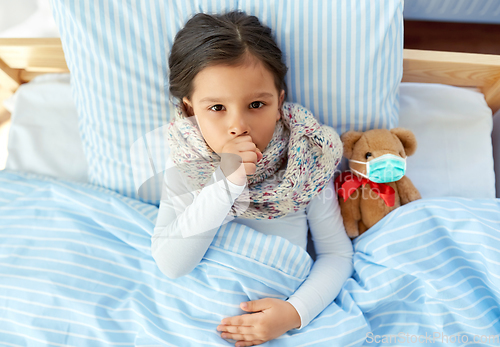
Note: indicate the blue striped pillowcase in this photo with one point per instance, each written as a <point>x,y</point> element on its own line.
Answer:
<point>344,59</point>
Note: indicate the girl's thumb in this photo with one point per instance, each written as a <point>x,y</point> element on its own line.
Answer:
<point>259,154</point>
<point>256,305</point>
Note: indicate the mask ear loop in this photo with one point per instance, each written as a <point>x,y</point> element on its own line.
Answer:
<point>367,168</point>
<point>359,173</point>
<point>360,162</point>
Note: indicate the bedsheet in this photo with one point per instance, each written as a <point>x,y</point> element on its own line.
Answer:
<point>76,270</point>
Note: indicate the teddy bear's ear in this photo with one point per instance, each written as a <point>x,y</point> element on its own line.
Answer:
<point>349,138</point>
<point>407,138</point>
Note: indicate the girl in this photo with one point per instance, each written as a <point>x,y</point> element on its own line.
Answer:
<point>240,152</point>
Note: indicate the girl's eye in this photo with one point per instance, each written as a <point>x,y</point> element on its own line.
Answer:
<point>368,155</point>
<point>256,104</point>
<point>217,108</point>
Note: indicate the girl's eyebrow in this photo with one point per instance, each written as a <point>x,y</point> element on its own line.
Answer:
<point>210,99</point>
<point>263,95</point>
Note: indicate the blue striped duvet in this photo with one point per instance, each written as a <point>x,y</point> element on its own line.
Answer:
<point>76,270</point>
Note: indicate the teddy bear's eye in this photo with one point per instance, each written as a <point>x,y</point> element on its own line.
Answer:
<point>368,155</point>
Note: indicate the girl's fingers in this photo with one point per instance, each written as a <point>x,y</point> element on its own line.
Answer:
<point>246,146</point>
<point>259,155</point>
<point>244,343</point>
<point>244,152</point>
<point>250,168</point>
<point>244,143</point>
<point>249,157</point>
<point>236,329</point>
<point>249,343</point>
<point>242,138</point>
<point>238,337</point>
<point>241,157</point>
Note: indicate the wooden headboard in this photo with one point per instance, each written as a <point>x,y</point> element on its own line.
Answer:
<point>23,59</point>
<point>457,69</point>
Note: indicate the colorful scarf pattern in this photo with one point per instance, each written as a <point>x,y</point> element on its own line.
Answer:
<point>297,163</point>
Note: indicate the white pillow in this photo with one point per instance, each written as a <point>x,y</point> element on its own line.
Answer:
<point>44,135</point>
<point>27,18</point>
<point>453,129</point>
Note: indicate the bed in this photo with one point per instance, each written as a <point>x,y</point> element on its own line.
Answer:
<point>76,266</point>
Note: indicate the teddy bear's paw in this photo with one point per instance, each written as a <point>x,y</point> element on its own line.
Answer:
<point>416,196</point>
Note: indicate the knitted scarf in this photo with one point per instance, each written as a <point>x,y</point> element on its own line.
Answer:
<point>297,163</point>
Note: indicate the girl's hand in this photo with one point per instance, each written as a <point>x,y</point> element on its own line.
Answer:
<point>273,318</point>
<point>239,158</point>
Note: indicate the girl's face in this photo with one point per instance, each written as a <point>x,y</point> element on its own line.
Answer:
<point>230,101</point>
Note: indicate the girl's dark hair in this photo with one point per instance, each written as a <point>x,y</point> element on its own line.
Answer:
<point>208,40</point>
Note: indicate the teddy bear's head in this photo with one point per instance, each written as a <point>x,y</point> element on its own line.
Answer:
<point>362,147</point>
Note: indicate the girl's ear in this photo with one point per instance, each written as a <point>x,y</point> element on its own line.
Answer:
<point>188,107</point>
<point>280,104</point>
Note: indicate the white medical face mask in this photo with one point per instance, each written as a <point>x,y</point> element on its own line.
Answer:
<point>384,169</point>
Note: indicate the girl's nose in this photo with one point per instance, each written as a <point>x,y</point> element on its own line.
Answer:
<point>239,126</point>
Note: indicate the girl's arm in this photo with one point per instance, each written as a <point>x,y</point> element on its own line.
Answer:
<point>333,265</point>
<point>188,221</point>
<point>270,317</point>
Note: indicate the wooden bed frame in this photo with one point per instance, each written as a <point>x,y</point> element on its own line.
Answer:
<point>23,59</point>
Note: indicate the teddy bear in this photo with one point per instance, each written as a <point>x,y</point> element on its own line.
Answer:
<point>375,184</point>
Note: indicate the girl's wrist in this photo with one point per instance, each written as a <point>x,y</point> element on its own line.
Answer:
<point>295,320</point>
<point>236,179</point>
